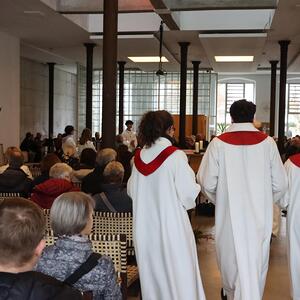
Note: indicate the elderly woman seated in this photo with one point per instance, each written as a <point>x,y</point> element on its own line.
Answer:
<point>71,220</point>
<point>114,197</point>
<point>60,182</point>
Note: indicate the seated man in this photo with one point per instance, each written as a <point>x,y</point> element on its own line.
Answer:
<point>60,182</point>
<point>22,226</point>
<point>14,179</point>
<point>114,196</point>
<point>91,184</point>
<point>7,154</point>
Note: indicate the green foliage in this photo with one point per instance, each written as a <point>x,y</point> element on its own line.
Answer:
<point>221,127</point>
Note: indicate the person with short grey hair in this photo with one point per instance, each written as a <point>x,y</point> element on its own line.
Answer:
<point>60,182</point>
<point>71,218</point>
<point>91,184</point>
<point>61,170</point>
<point>114,197</point>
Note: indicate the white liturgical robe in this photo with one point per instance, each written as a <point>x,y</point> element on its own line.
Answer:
<point>129,139</point>
<point>163,237</point>
<point>242,173</point>
<point>292,199</point>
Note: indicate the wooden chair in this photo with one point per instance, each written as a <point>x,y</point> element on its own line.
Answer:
<point>77,184</point>
<point>9,195</point>
<point>35,169</point>
<point>115,223</point>
<point>113,246</point>
<point>47,217</point>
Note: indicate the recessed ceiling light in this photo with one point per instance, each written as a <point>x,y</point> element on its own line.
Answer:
<point>143,59</point>
<point>125,36</point>
<point>232,35</point>
<point>234,58</point>
<point>33,12</point>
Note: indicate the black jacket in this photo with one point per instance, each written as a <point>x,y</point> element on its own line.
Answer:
<point>34,286</point>
<point>91,183</point>
<point>15,181</point>
<point>116,195</point>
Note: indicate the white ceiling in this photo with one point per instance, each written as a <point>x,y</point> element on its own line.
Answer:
<point>47,35</point>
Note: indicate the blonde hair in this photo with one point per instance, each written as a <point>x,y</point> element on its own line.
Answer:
<point>113,172</point>
<point>60,170</point>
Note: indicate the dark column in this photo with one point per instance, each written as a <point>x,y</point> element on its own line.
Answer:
<point>273,96</point>
<point>283,72</point>
<point>89,85</point>
<point>110,43</point>
<point>51,99</point>
<point>183,70</point>
<point>121,94</point>
<point>195,96</point>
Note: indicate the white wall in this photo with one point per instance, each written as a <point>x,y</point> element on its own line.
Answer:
<point>34,98</point>
<point>9,90</point>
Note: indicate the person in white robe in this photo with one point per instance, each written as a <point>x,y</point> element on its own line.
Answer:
<point>292,200</point>
<point>163,187</point>
<point>242,173</point>
<point>129,136</point>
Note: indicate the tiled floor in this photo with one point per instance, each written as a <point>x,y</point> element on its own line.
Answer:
<point>277,286</point>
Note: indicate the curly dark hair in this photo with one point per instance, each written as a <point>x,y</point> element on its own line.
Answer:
<point>154,124</point>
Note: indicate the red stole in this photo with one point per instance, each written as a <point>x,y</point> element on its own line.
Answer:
<point>295,159</point>
<point>151,167</point>
<point>243,138</point>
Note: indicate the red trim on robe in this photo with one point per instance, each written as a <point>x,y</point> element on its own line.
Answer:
<point>243,138</point>
<point>295,159</point>
<point>151,167</point>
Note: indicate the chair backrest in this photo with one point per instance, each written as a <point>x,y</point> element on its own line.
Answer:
<point>77,184</point>
<point>114,223</point>
<point>9,195</point>
<point>35,169</point>
<point>110,245</point>
<point>47,217</point>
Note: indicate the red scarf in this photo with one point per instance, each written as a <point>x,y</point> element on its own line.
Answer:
<point>295,159</point>
<point>151,167</point>
<point>244,138</point>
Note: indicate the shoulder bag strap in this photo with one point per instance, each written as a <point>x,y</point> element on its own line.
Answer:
<point>107,203</point>
<point>86,267</point>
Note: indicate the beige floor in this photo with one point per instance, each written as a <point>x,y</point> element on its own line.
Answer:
<point>277,286</point>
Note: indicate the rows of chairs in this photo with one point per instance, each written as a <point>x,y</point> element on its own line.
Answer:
<point>111,236</point>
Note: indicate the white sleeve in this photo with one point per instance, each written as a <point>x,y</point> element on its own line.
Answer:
<point>208,172</point>
<point>185,182</point>
<point>278,175</point>
<point>285,200</point>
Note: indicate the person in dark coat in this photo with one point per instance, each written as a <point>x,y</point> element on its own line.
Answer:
<point>91,184</point>
<point>19,253</point>
<point>124,156</point>
<point>114,197</point>
<point>14,179</point>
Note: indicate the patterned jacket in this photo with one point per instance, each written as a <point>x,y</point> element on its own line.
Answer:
<point>68,253</point>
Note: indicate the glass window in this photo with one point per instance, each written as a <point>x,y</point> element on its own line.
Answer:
<point>227,94</point>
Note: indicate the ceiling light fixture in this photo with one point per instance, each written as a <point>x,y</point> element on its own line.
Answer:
<point>125,36</point>
<point>232,35</point>
<point>234,58</point>
<point>144,59</point>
